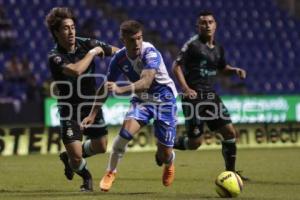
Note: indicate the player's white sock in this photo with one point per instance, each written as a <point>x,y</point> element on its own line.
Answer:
<point>171,159</point>
<point>118,149</point>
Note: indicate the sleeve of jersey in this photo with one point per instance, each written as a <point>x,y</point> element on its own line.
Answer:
<point>222,62</point>
<point>151,59</point>
<point>56,63</point>
<point>92,43</point>
<point>182,54</point>
<point>113,70</point>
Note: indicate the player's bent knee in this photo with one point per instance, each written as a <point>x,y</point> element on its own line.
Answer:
<point>99,145</point>
<point>165,155</point>
<point>101,149</point>
<point>75,161</point>
<point>230,135</point>
<point>228,132</point>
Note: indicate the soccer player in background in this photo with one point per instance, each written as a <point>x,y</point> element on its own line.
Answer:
<point>70,62</point>
<point>154,98</point>
<point>196,67</point>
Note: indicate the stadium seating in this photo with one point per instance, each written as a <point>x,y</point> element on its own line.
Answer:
<point>257,35</point>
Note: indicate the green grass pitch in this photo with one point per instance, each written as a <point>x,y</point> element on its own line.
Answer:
<point>275,174</point>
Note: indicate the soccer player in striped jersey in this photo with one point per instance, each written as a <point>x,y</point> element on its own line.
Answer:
<point>154,97</point>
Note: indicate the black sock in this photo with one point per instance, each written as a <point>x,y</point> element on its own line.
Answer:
<point>180,142</point>
<point>229,154</point>
<point>84,173</point>
<point>82,170</point>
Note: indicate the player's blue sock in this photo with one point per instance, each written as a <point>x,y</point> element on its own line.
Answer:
<point>229,153</point>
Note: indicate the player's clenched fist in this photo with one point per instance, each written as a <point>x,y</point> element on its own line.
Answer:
<point>97,51</point>
<point>113,87</point>
<point>241,73</point>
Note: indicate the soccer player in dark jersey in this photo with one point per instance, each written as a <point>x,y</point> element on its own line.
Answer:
<point>72,67</point>
<point>196,68</point>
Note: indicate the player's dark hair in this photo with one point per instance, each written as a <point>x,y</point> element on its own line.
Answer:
<point>56,16</point>
<point>130,27</point>
<point>204,13</point>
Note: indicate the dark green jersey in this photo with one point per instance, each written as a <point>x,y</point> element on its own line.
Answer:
<point>201,63</point>
<point>70,87</point>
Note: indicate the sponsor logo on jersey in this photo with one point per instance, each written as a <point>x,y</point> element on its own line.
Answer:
<point>125,68</point>
<point>151,55</point>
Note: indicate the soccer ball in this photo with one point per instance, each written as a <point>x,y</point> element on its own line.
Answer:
<point>228,184</point>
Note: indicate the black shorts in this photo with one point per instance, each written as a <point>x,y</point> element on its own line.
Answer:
<point>208,109</point>
<point>70,126</point>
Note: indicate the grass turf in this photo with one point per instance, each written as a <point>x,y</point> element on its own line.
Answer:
<point>274,174</point>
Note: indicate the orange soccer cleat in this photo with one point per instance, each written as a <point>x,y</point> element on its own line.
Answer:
<point>107,181</point>
<point>168,175</point>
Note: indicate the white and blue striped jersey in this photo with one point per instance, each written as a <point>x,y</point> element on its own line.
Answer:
<point>162,88</point>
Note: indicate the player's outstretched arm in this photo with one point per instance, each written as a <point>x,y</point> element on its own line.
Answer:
<point>176,68</point>
<point>76,69</point>
<point>113,51</point>
<point>229,70</point>
<point>100,98</point>
<point>143,84</point>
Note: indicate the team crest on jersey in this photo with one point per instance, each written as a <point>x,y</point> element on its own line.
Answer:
<point>57,59</point>
<point>196,131</point>
<point>70,132</point>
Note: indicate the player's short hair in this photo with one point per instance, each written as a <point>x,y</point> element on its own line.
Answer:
<point>56,16</point>
<point>130,27</point>
<point>205,13</point>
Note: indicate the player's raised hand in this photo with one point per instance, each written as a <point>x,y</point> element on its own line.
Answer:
<point>241,73</point>
<point>86,122</point>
